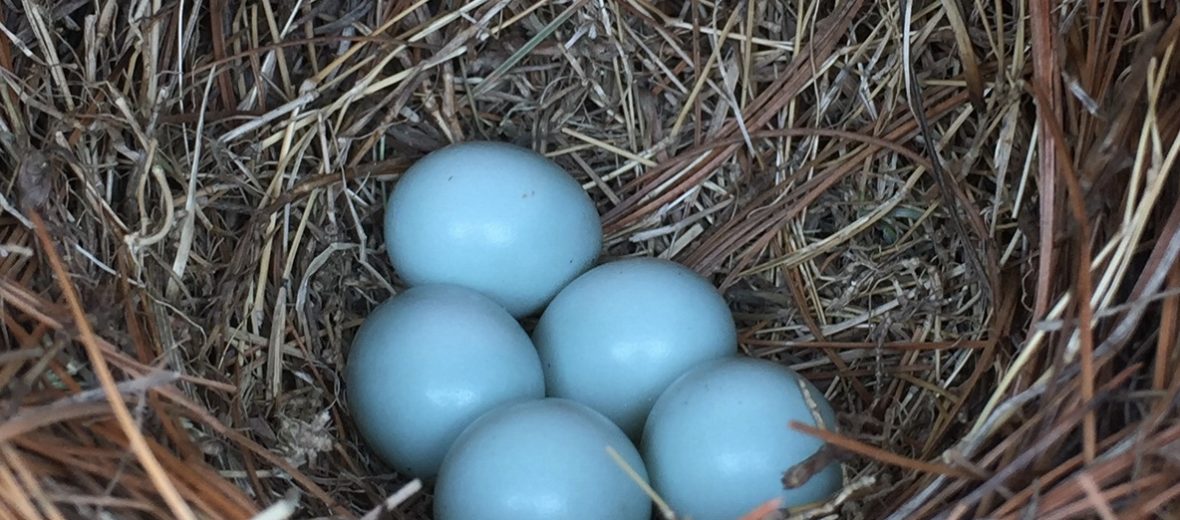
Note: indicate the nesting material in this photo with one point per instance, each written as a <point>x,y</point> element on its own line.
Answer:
<point>959,219</point>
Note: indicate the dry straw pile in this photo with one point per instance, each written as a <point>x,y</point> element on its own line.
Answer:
<point>958,217</point>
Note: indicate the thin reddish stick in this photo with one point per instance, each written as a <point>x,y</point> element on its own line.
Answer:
<point>1045,73</point>
<point>1085,283</point>
<point>763,510</point>
<point>878,454</point>
<point>1167,334</point>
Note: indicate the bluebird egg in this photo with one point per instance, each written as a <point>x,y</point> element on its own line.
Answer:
<point>540,460</point>
<point>717,442</point>
<point>428,362</point>
<point>616,336</point>
<point>493,217</point>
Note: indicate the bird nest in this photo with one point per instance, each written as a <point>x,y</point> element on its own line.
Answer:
<point>959,219</point>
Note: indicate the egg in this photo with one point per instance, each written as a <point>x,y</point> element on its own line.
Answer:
<point>428,362</point>
<point>497,218</point>
<point>718,442</point>
<point>542,459</point>
<point>616,336</point>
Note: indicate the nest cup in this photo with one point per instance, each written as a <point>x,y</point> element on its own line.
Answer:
<point>957,219</point>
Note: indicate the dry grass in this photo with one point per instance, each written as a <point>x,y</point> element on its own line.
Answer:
<point>968,236</point>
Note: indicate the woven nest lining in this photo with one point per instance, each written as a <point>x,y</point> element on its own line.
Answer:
<point>192,195</point>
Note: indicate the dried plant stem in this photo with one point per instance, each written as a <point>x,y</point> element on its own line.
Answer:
<point>138,444</point>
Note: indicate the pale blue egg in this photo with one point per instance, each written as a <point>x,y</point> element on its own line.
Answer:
<point>616,336</point>
<point>545,459</point>
<point>428,362</point>
<point>718,442</point>
<point>494,217</point>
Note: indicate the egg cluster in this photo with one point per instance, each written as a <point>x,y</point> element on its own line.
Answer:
<point>444,383</point>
